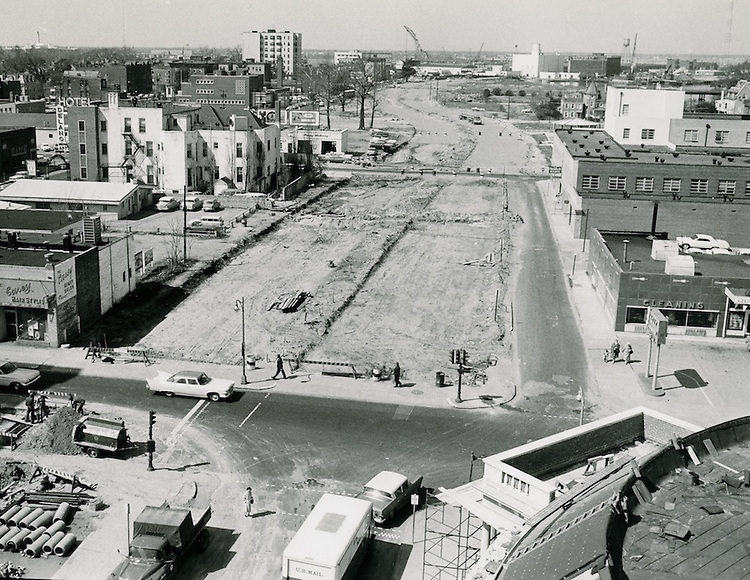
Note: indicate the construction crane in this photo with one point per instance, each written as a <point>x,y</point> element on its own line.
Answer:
<point>632,57</point>
<point>420,50</point>
<point>479,53</point>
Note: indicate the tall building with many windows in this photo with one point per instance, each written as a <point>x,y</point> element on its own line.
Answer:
<point>271,45</point>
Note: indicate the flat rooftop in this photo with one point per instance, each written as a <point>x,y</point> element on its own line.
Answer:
<point>33,257</point>
<point>597,145</point>
<point>39,220</point>
<point>639,255</point>
<point>94,192</point>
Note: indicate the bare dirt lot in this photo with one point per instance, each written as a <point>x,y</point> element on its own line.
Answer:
<point>382,262</point>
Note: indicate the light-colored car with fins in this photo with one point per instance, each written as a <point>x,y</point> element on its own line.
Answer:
<point>17,378</point>
<point>190,384</point>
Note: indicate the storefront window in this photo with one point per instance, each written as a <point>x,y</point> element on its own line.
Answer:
<point>32,324</point>
<point>702,319</point>
<point>675,317</point>
<point>635,315</point>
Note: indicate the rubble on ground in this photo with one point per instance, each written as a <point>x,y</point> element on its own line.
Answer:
<point>55,434</point>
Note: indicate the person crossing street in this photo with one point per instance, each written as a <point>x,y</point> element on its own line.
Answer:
<point>279,367</point>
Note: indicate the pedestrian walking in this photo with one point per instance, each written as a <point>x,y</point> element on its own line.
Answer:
<point>605,356</point>
<point>30,404</point>
<point>616,350</point>
<point>396,376</point>
<point>615,503</point>
<point>279,367</point>
<point>249,500</point>
<point>628,353</point>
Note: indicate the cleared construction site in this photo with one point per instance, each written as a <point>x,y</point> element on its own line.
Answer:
<point>379,270</point>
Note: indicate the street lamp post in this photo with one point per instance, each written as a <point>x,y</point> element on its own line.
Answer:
<point>239,306</point>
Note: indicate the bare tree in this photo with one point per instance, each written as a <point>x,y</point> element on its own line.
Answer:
<point>364,85</point>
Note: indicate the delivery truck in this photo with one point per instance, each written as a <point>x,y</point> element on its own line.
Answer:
<point>332,541</point>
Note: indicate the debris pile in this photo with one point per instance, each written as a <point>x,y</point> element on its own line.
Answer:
<point>55,434</point>
<point>289,301</point>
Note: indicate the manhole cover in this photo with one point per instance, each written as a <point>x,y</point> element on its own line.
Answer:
<point>416,392</point>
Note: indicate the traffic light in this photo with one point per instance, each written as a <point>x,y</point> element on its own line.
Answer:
<point>464,357</point>
<point>151,418</point>
<point>453,356</point>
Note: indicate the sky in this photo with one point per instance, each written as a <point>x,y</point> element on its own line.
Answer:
<point>663,26</point>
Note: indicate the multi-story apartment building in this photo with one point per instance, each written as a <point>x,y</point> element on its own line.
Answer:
<point>572,106</point>
<point>270,45</point>
<point>221,89</point>
<point>87,84</point>
<point>173,146</point>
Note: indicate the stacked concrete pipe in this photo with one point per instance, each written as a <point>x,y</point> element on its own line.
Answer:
<point>9,513</point>
<point>35,513</point>
<point>49,546</point>
<point>34,542</point>
<point>12,531</point>
<point>62,513</point>
<point>16,542</point>
<point>65,545</point>
<point>42,521</point>
<point>16,518</point>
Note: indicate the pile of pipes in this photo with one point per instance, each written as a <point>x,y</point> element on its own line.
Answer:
<point>35,531</point>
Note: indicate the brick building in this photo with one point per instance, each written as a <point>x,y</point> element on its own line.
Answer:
<point>606,186</point>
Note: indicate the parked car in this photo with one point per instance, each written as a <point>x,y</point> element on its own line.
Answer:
<point>192,203</point>
<point>700,241</point>
<point>207,223</point>
<point>190,384</point>
<point>212,204</point>
<point>389,492</point>
<point>17,378</point>
<point>167,203</point>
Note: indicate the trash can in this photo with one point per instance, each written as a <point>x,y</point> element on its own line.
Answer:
<point>439,379</point>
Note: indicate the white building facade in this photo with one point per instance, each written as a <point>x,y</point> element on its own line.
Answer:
<point>527,65</point>
<point>343,57</point>
<point>269,45</point>
<point>642,116</point>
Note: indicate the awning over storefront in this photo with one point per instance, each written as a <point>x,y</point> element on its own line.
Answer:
<point>740,296</point>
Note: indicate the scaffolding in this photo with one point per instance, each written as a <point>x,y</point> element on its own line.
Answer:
<point>452,541</point>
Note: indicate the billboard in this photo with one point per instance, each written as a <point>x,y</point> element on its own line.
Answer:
<point>304,118</point>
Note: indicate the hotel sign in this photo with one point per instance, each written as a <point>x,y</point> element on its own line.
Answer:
<point>61,114</point>
<point>24,294</point>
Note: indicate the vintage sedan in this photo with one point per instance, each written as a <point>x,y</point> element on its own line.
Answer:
<point>17,378</point>
<point>389,492</point>
<point>190,384</point>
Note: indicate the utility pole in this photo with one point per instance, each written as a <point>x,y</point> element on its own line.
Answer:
<point>184,223</point>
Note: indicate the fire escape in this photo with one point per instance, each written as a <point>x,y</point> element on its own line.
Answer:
<point>133,166</point>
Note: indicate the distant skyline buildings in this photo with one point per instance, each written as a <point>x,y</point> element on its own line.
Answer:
<point>681,27</point>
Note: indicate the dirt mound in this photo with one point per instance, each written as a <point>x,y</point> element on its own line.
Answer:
<point>54,435</point>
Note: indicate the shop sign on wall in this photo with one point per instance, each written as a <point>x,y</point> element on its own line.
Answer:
<point>65,281</point>
<point>24,294</point>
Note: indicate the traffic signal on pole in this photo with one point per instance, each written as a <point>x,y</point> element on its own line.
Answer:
<point>151,418</point>
<point>464,357</point>
<point>453,356</point>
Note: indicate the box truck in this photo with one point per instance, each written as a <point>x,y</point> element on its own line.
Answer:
<point>332,541</point>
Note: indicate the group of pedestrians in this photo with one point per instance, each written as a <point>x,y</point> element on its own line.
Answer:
<point>612,354</point>
<point>36,408</point>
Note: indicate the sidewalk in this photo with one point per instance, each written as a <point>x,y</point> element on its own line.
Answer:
<point>495,391</point>
<point>703,378</point>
